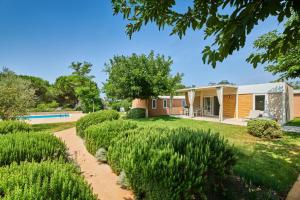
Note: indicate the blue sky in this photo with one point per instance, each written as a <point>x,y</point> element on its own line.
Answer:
<point>42,38</point>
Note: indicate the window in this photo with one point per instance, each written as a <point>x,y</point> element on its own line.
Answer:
<point>153,103</point>
<point>183,103</point>
<point>260,102</point>
<point>165,104</point>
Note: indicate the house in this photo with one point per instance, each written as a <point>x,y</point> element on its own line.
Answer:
<point>296,103</point>
<point>161,105</point>
<point>273,100</point>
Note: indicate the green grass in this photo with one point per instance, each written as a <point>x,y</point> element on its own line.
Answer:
<point>271,164</point>
<point>294,122</point>
<point>54,127</point>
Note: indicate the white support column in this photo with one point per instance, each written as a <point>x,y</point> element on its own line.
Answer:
<point>220,94</point>
<point>191,96</point>
<point>221,104</point>
<point>237,104</point>
<point>201,102</point>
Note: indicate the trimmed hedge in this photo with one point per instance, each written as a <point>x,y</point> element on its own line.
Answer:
<point>136,113</point>
<point>95,118</point>
<point>36,146</point>
<point>46,180</point>
<point>101,135</point>
<point>264,128</point>
<point>181,163</point>
<point>7,127</point>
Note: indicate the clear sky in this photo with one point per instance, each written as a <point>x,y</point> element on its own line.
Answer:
<point>42,38</point>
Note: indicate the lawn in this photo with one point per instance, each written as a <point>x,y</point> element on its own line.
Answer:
<point>272,164</point>
<point>53,127</point>
<point>294,122</point>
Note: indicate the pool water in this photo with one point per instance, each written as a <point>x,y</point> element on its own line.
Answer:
<point>45,116</point>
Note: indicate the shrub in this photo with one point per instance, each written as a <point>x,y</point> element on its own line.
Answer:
<point>95,118</point>
<point>7,127</point>
<point>46,107</point>
<point>117,105</point>
<point>136,113</point>
<point>101,135</point>
<point>264,128</point>
<point>36,146</point>
<point>46,180</point>
<point>101,155</point>
<point>172,163</point>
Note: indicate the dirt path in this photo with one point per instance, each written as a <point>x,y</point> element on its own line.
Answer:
<point>294,193</point>
<point>100,176</point>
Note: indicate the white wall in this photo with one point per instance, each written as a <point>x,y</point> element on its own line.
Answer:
<point>262,88</point>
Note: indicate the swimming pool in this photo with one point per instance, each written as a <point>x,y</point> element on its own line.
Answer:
<point>64,115</point>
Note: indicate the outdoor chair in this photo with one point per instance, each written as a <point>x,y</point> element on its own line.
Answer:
<point>197,111</point>
<point>254,114</point>
<point>186,111</point>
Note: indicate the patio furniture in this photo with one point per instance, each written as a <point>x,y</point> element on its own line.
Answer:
<point>255,114</point>
<point>186,111</point>
<point>198,111</point>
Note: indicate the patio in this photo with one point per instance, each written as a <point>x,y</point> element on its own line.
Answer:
<point>232,121</point>
<point>218,103</point>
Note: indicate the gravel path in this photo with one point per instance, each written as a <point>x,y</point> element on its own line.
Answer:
<point>100,176</point>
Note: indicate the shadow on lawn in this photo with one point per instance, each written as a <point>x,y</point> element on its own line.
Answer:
<point>161,118</point>
<point>273,164</point>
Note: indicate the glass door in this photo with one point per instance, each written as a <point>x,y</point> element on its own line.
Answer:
<point>207,105</point>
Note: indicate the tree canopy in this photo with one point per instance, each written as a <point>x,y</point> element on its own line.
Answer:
<point>284,63</point>
<point>42,88</point>
<point>228,22</point>
<point>139,76</point>
<point>222,82</point>
<point>78,89</point>
<point>17,95</point>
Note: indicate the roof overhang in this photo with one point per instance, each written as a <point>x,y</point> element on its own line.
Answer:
<point>206,87</point>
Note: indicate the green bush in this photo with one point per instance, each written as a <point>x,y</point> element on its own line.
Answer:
<point>95,118</point>
<point>7,127</point>
<point>172,163</point>
<point>36,146</point>
<point>264,128</point>
<point>101,135</point>
<point>117,105</point>
<point>136,113</point>
<point>46,180</point>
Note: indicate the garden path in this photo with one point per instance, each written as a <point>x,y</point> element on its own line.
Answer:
<point>99,176</point>
<point>294,193</point>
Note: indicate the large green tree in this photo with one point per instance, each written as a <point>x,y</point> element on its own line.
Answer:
<point>17,95</point>
<point>43,89</point>
<point>228,22</point>
<point>286,63</point>
<point>139,76</point>
<point>78,89</point>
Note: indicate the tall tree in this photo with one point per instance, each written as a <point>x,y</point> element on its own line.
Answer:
<point>78,89</point>
<point>228,22</point>
<point>82,69</point>
<point>222,82</point>
<point>139,76</point>
<point>16,95</point>
<point>65,91</point>
<point>43,90</point>
<point>284,63</point>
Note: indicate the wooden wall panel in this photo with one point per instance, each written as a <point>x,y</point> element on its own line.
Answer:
<point>245,102</point>
<point>229,105</point>
<point>296,105</point>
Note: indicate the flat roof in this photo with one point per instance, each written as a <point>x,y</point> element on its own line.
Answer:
<point>174,97</point>
<point>206,87</point>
